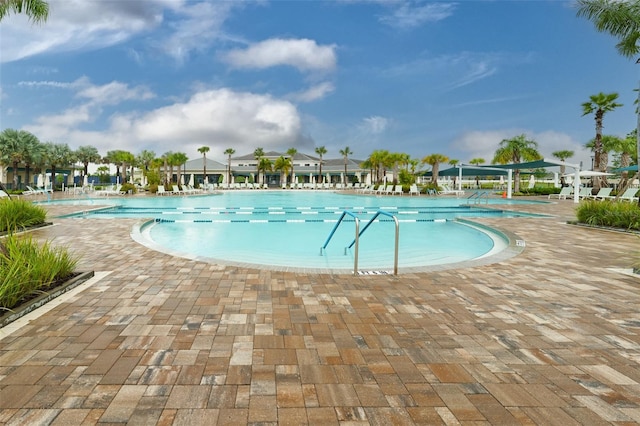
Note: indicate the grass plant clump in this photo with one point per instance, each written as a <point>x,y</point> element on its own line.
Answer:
<point>28,269</point>
<point>609,213</point>
<point>16,214</point>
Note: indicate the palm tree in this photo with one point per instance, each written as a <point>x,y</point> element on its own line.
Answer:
<point>264,165</point>
<point>283,165</point>
<point>258,153</point>
<point>346,152</point>
<point>562,155</point>
<point>203,150</point>
<point>477,161</point>
<point>321,150</point>
<point>618,18</point>
<point>229,152</point>
<point>145,161</point>
<point>179,158</point>
<point>87,154</point>
<point>34,153</point>
<point>291,152</point>
<point>515,150</point>
<point>14,146</point>
<point>609,143</point>
<point>599,105</point>
<point>434,161</point>
<point>625,150</point>
<point>58,154</point>
<point>36,10</point>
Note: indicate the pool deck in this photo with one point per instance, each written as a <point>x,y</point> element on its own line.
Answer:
<point>550,336</point>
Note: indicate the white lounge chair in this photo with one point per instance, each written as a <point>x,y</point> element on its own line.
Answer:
<point>446,190</point>
<point>563,194</point>
<point>397,190</point>
<point>585,192</point>
<point>602,194</point>
<point>413,190</point>
<point>629,195</point>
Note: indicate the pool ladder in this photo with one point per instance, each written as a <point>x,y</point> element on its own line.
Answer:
<point>358,233</point>
<point>477,197</point>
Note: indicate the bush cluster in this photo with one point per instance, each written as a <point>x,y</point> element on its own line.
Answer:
<point>19,214</point>
<point>609,213</point>
<point>27,268</point>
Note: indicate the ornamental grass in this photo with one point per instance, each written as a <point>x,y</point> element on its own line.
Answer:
<point>613,214</point>
<point>28,269</point>
<point>17,214</point>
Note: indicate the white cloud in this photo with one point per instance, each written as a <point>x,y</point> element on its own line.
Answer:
<point>302,54</point>
<point>216,118</point>
<point>313,93</point>
<point>453,71</point>
<point>483,144</point>
<point>93,24</point>
<point>412,14</point>
<point>114,93</point>
<point>374,124</point>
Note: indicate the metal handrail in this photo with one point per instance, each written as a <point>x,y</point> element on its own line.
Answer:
<point>395,219</point>
<point>477,196</point>
<point>356,240</point>
<point>333,231</point>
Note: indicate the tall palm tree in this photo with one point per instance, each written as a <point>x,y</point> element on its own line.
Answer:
<point>516,150</point>
<point>87,154</point>
<point>477,161</point>
<point>321,150</point>
<point>625,150</point>
<point>599,105</point>
<point>229,152</point>
<point>36,10</point>
<point>58,154</point>
<point>264,165</point>
<point>258,153</point>
<point>14,146</point>
<point>620,19</point>
<point>346,152</point>
<point>283,165</point>
<point>179,158</point>
<point>34,153</point>
<point>291,152</point>
<point>562,155</point>
<point>203,150</point>
<point>434,161</point>
<point>609,143</point>
<point>144,160</point>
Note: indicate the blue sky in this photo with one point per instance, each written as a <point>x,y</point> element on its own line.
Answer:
<point>418,77</point>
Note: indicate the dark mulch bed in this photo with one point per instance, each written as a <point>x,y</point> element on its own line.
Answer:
<point>28,228</point>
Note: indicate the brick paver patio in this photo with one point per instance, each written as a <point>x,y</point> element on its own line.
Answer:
<point>551,336</point>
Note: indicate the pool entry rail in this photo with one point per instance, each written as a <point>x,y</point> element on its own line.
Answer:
<point>356,240</point>
<point>477,197</point>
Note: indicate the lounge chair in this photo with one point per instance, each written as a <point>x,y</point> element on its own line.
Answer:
<point>113,190</point>
<point>585,192</point>
<point>565,192</point>
<point>413,190</point>
<point>397,190</point>
<point>628,195</point>
<point>446,190</point>
<point>161,190</point>
<point>32,191</point>
<point>602,194</point>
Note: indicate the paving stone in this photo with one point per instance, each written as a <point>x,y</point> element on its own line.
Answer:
<point>550,336</point>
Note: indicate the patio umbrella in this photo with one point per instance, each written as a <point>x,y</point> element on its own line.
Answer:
<point>85,181</point>
<point>191,180</point>
<point>40,181</point>
<point>47,182</point>
<point>181,179</point>
<point>532,181</point>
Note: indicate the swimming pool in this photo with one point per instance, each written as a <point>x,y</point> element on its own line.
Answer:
<point>285,229</point>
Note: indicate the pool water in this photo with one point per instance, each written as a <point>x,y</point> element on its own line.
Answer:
<point>286,229</point>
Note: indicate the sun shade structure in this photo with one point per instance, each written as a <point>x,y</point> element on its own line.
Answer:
<point>507,169</point>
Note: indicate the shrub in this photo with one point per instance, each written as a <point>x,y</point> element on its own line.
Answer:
<point>609,213</point>
<point>126,187</point>
<point>27,269</point>
<point>18,214</point>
